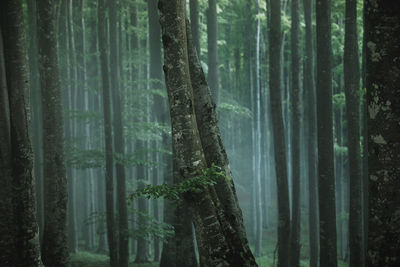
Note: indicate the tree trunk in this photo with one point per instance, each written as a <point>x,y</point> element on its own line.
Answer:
<point>279,135</point>
<point>382,26</point>
<point>312,131</point>
<point>352,87</point>
<point>118,138</point>
<point>112,242</point>
<point>20,244</point>
<point>194,22</point>
<point>326,185</point>
<point>295,143</point>
<point>212,35</point>
<point>54,249</point>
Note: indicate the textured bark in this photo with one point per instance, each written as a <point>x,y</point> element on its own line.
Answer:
<point>214,151</point>
<point>23,247</point>
<point>187,151</point>
<point>309,85</point>
<point>118,139</point>
<point>382,26</point>
<point>352,87</point>
<point>54,248</point>
<point>326,182</point>
<point>112,242</point>
<point>279,134</point>
<point>194,24</point>
<point>212,35</point>
<point>294,260</point>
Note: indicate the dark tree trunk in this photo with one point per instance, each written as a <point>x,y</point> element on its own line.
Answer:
<point>382,26</point>
<point>312,131</point>
<point>212,35</point>
<point>54,248</point>
<point>279,134</point>
<point>112,242</point>
<point>118,138</point>
<point>295,138</point>
<point>326,183</point>
<point>352,87</point>
<point>20,243</point>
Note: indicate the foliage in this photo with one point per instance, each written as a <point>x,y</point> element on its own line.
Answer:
<point>204,177</point>
<point>88,259</point>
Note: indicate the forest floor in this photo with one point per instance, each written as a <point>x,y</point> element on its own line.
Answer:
<point>267,259</point>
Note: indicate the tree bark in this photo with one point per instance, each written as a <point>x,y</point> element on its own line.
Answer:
<point>22,249</point>
<point>112,242</point>
<point>194,23</point>
<point>279,134</point>
<point>118,139</point>
<point>382,26</point>
<point>352,87</point>
<point>326,185</point>
<point>295,138</point>
<point>312,131</point>
<point>54,249</point>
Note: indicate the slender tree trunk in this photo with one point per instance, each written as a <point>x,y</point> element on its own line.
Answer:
<point>212,35</point>
<point>352,87</point>
<point>112,242</point>
<point>326,185</point>
<point>118,138</point>
<point>36,113</point>
<point>22,247</point>
<point>312,131</point>
<point>295,143</point>
<point>54,249</point>
<point>382,26</point>
<point>279,135</point>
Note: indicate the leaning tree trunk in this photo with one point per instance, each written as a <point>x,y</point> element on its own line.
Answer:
<point>187,151</point>
<point>326,182</point>
<point>382,26</point>
<point>352,87</point>
<point>112,242</point>
<point>20,243</point>
<point>214,151</point>
<point>54,247</point>
<point>279,134</point>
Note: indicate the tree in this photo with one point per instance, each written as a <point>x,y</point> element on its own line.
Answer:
<point>194,22</point>
<point>352,88</point>
<point>107,135</point>
<point>212,35</point>
<point>19,230</point>
<point>279,134</point>
<point>295,108</point>
<point>326,181</point>
<point>309,84</point>
<point>118,139</point>
<point>214,152</point>
<point>54,248</point>
<point>188,156</point>
<point>382,25</point>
